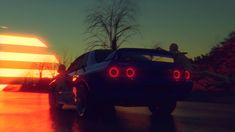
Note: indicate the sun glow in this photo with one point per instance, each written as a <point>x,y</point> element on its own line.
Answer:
<point>26,73</point>
<point>9,56</point>
<point>2,86</point>
<point>10,87</point>
<point>18,40</point>
<point>24,57</point>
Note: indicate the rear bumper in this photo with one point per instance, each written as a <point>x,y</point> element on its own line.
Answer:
<point>129,95</point>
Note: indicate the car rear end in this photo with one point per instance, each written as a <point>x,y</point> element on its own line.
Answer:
<point>144,76</point>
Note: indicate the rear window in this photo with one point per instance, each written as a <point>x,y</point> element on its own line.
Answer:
<point>144,56</point>
<point>100,55</point>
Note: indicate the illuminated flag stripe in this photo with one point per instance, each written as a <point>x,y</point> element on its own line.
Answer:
<point>32,73</point>
<point>2,86</point>
<point>24,49</point>
<point>13,80</point>
<point>12,87</point>
<point>24,59</point>
<point>16,80</point>
<point>18,40</point>
<point>10,56</point>
<point>27,65</point>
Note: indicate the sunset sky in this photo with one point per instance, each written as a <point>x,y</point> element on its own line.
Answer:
<point>195,25</point>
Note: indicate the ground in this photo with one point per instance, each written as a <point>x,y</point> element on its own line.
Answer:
<point>30,112</point>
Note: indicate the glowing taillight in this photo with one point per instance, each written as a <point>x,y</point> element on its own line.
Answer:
<point>187,75</point>
<point>114,72</point>
<point>75,78</point>
<point>176,74</point>
<point>130,72</point>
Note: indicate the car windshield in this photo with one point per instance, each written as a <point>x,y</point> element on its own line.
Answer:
<point>100,55</point>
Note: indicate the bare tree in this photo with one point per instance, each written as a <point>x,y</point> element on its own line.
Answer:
<point>66,58</point>
<point>111,24</point>
<point>41,68</point>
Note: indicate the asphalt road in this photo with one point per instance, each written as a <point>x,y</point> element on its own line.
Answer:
<point>24,112</point>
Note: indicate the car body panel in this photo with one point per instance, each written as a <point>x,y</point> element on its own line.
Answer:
<point>153,80</point>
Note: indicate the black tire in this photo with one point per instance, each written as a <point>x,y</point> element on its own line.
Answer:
<point>53,102</point>
<point>163,108</point>
<point>82,100</point>
<point>94,106</point>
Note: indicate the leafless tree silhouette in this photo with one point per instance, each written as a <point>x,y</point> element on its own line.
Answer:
<point>66,58</point>
<point>111,24</point>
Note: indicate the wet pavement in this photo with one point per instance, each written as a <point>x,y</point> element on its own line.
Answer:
<point>30,112</point>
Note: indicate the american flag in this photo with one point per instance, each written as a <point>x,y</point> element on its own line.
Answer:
<point>24,57</point>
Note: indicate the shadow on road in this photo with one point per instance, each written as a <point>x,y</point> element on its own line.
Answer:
<point>67,120</point>
<point>162,123</point>
<point>63,121</point>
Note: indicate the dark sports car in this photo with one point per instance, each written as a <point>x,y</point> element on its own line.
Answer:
<point>128,77</point>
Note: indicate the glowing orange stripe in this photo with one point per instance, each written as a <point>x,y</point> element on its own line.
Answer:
<point>27,65</point>
<point>5,72</point>
<point>10,87</point>
<point>25,41</point>
<point>2,86</point>
<point>17,80</point>
<point>9,56</point>
<point>24,49</point>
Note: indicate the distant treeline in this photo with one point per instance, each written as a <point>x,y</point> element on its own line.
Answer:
<point>215,71</point>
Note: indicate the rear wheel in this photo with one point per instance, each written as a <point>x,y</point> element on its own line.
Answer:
<point>81,99</point>
<point>89,105</point>
<point>53,101</point>
<point>163,108</point>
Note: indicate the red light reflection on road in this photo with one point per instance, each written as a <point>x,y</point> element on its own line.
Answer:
<point>10,87</point>
<point>24,112</point>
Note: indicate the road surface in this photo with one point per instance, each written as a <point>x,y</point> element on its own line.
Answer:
<point>30,112</point>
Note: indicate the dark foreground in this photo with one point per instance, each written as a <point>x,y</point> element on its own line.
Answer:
<point>30,112</point>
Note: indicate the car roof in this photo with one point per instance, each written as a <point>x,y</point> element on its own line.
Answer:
<point>135,49</point>
<point>151,51</point>
<point>159,51</point>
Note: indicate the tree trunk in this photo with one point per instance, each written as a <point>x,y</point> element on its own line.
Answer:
<point>114,44</point>
<point>40,75</point>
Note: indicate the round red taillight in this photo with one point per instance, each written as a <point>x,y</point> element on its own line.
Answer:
<point>176,74</point>
<point>114,72</point>
<point>187,75</point>
<point>130,72</point>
